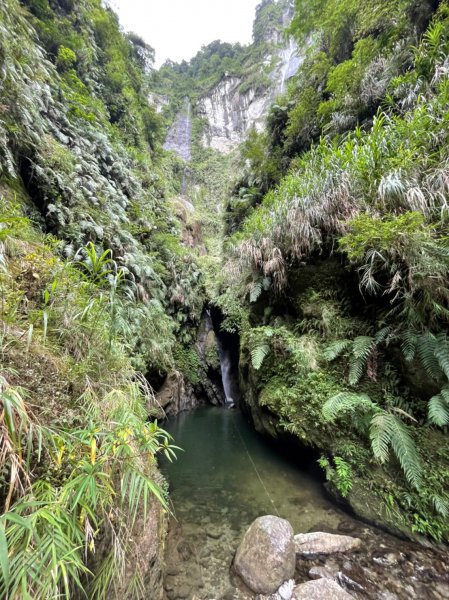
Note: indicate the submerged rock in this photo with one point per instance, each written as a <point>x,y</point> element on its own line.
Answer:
<point>265,558</point>
<point>321,589</point>
<point>311,544</point>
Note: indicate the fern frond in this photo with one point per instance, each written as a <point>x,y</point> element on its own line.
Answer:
<point>256,291</point>
<point>408,345</point>
<point>336,349</point>
<point>381,429</point>
<point>258,355</point>
<point>346,402</point>
<point>406,452</point>
<point>382,334</point>
<point>438,409</point>
<point>356,368</point>
<point>362,348</point>
<point>427,345</point>
<point>442,353</point>
<point>441,505</point>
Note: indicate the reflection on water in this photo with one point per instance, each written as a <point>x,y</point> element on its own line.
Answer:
<point>228,475</point>
<point>225,478</point>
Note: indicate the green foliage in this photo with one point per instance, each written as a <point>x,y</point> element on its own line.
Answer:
<point>340,474</point>
<point>439,408</point>
<point>385,430</point>
<point>188,362</point>
<point>65,58</point>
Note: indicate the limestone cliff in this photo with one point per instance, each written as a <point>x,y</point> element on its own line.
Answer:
<point>229,89</point>
<point>230,112</point>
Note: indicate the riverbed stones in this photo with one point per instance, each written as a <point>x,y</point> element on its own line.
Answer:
<point>311,544</point>
<point>321,589</point>
<point>265,558</point>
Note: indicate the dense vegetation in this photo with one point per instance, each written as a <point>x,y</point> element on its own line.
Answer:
<point>335,259</point>
<point>95,285</point>
<point>204,71</point>
<point>337,238</point>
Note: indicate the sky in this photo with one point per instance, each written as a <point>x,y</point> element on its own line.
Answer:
<point>178,28</point>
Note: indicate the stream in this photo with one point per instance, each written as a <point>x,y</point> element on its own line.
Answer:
<point>227,475</point>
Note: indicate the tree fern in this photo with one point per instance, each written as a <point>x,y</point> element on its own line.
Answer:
<point>438,409</point>
<point>258,355</point>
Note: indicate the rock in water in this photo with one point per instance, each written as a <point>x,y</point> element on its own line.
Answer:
<point>311,544</point>
<point>322,589</point>
<point>265,558</point>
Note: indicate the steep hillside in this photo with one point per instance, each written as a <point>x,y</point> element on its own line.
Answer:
<point>337,275</point>
<point>95,283</point>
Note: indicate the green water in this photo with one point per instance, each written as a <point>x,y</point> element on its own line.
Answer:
<point>226,477</point>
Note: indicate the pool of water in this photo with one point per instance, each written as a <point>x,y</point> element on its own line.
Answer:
<point>228,475</point>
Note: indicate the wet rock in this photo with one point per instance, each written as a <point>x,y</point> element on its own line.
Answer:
<point>311,544</point>
<point>183,593</point>
<point>214,533</point>
<point>347,582</point>
<point>320,573</point>
<point>347,526</point>
<point>285,592</point>
<point>322,589</point>
<point>265,558</point>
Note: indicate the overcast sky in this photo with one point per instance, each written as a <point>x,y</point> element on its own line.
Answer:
<point>178,28</point>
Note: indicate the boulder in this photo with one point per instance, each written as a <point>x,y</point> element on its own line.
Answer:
<point>265,558</point>
<point>311,544</point>
<point>321,589</point>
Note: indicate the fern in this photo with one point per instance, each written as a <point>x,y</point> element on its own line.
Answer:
<point>406,452</point>
<point>256,291</point>
<point>362,348</point>
<point>408,345</point>
<point>381,429</point>
<point>336,349</point>
<point>427,345</point>
<point>442,353</point>
<point>441,505</point>
<point>438,409</point>
<point>258,355</point>
<point>345,402</point>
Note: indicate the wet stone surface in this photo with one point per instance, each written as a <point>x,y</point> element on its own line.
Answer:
<point>227,476</point>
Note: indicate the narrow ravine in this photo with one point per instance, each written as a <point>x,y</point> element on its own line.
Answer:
<point>228,475</point>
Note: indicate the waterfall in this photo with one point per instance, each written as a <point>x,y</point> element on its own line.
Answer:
<point>290,62</point>
<point>180,133</point>
<point>228,353</point>
<point>226,374</point>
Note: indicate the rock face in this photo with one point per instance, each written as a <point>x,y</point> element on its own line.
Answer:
<point>179,136</point>
<point>175,396</point>
<point>230,112</point>
<point>311,544</point>
<point>323,589</point>
<point>265,558</point>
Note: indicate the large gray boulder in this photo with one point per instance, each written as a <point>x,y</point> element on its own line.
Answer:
<point>265,558</point>
<point>322,589</point>
<point>311,544</point>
